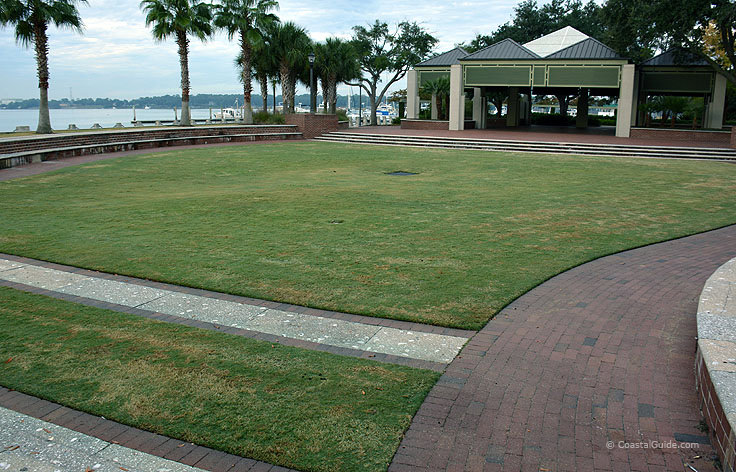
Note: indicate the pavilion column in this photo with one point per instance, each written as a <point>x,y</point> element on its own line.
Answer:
<point>581,120</point>
<point>625,102</point>
<point>512,107</point>
<point>435,112</point>
<point>412,95</point>
<point>716,104</point>
<point>635,100</point>
<point>457,98</point>
<point>479,115</point>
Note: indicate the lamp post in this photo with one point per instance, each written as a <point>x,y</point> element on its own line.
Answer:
<point>312,91</point>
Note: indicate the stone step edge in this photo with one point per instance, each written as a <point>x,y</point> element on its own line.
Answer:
<point>529,150</point>
<point>548,143</point>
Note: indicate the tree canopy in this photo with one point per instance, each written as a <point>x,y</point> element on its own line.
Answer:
<point>531,21</point>
<point>385,52</point>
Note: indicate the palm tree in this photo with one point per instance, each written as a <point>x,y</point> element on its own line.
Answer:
<point>31,19</point>
<point>180,18</point>
<point>290,48</point>
<point>337,62</point>
<point>247,19</point>
<point>264,65</point>
<point>439,89</point>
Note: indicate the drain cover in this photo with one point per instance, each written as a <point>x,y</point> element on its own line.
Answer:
<point>401,172</point>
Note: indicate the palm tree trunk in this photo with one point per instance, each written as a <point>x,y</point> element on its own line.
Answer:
<point>42,62</point>
<point>292,92</point>
<point>247,85</point>
<point>263,79</point>
<point>183,42</point>
<point>273,83</point>
<point>325,95</point>
<point>333,95</point>
<point>284,72</point>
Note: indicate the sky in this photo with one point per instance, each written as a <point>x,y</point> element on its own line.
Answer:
<point>116,57</point>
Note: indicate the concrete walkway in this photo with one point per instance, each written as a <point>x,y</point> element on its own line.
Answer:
<point>429,346</point>
<point>30,444</point>
<point>590,371</point>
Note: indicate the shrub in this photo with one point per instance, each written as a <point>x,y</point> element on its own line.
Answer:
<point>342,115</point>
<point>396,121</point>
<point>266,118</point>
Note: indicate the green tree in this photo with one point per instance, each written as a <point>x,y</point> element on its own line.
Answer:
<point>383,52</point>
<point>531,22</point>
<point>180,18</point>
<point>704,28</point>
<point>31,19</point>
<point>247,19</point>
<point>336,62</point>
<point>291,46</point>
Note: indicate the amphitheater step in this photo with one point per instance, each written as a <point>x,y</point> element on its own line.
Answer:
<point>46,149</point>
<point>532,146</point>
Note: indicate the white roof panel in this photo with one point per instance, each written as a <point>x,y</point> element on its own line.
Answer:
<point>556,41</point>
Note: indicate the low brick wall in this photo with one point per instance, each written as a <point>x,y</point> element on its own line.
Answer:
<point>684,135</point>
<point>60,140</point>
<point>496,122</point>
<point>25,150</point>
<point>715,371</point>
<point>312,126</point>
<point>425,124</point>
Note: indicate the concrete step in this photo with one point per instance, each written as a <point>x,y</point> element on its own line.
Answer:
<point>533,146</point>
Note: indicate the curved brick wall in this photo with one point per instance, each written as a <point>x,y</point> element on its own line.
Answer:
<point>25,149</point>
<point>716,361</point>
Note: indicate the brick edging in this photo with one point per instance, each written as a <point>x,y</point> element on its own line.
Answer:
<point>722,436</point>
<point>716,350</point>
<point>130,437</point>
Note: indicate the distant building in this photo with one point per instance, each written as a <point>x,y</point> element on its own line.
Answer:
<point>6,101</point>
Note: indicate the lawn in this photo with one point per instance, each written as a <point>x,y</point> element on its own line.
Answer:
<point>303,409</point>
<point>323,225</point>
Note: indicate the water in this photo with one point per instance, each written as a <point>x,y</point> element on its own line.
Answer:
<point>84,118</point>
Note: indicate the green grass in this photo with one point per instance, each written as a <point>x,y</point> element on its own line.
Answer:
<point>320,224</point>
<point>288,406</point>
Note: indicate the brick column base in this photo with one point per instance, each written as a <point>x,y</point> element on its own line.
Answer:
<point>312,126</point>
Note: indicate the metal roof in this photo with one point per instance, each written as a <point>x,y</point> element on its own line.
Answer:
<point>673,57</point>
<point>506,49</point>
<point>446,59</point>
<point>589,48</point>
<point>555,41</point>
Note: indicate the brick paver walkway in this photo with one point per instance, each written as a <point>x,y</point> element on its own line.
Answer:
<point>603,352</point>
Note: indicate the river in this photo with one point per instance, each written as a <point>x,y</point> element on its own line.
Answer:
<point>85,118</point>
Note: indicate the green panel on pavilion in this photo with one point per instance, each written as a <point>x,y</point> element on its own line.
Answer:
<point>498,75</point>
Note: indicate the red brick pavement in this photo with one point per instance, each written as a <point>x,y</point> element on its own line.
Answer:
<point>603,352</point>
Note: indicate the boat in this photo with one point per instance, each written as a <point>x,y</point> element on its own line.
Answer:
<point>227,113</point>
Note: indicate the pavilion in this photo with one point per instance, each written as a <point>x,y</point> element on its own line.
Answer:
<point>563,62</point>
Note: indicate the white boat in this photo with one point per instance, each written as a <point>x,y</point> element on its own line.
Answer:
<point>227,113</point>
